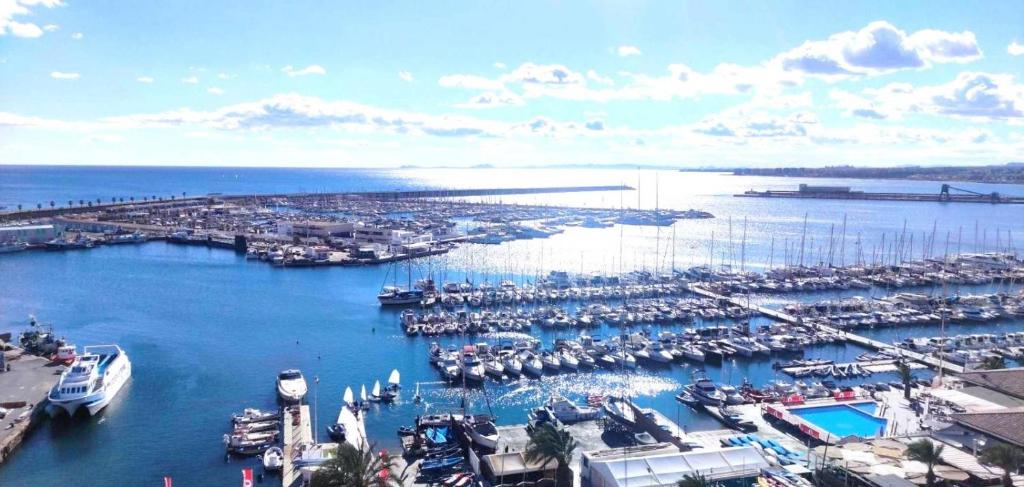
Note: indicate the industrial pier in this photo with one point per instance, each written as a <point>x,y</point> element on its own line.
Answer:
<point>946,194</point>
<point>23,391</point>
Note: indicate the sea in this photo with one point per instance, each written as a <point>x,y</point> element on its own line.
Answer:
<point>207,331</point>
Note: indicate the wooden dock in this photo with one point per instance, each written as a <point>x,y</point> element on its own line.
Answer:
<point>297,431</point>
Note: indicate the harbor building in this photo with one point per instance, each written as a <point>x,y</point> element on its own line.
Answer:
<point>30,234</point>
<point>665,466</point>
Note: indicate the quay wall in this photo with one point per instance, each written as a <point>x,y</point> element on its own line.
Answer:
<point>25,385</point>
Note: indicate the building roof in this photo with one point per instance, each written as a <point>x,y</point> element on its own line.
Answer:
<point>1007,381</point>
<point>667,469</point>
<point>1006,424</point>
<point>506,464</point>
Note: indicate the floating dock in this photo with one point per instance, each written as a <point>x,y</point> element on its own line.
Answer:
<point>23,392</point>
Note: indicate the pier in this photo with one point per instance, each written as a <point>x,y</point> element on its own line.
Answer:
<point>297,431</point>
<point>931,361</point>
<point>23,392</point>
<point>838,193</point>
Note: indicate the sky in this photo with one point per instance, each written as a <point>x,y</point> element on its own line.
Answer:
<point>518,83</point>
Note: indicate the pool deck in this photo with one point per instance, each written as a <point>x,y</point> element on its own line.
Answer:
<point>28,382</point>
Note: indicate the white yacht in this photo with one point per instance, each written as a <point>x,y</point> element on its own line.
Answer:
<point>568,412</point>
<point>91,381</point>
<point>291,386</point>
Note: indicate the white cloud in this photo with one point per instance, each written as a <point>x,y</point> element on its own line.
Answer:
<point>469,82</point>
<point>308,70</point>
<point>500,65</point>
<point>405,76</point>
<point>145,79</point>
<point>9,9</point>
<point>597,78</point>
<point>64,75</point>
<point>191,80</point>
<point>1015,49</point>
<point>225,76</point>
<point>51,27</point>
<point>971,95</point>
<point>491,100</point>
<point>878,48</point>
<point>213,90</point>
<point>77,36</point>
<point>625,51</point>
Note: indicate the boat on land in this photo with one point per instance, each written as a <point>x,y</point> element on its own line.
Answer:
<point>568,412</point>
<point>92,380</point>
<point>482,430</point>
<point>620,410</point>
<point>291,386</point>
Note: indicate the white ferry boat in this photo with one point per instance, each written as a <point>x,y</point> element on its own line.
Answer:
<point>91,381</point>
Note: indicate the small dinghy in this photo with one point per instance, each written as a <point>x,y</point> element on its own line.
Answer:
<point>273,458</point>
<point>336,432</point>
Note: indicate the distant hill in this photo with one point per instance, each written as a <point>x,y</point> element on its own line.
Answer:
<point>1012,173</point>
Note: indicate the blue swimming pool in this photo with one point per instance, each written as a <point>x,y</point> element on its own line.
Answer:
<point>843,419</point>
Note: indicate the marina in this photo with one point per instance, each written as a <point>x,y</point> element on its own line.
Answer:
<point>760,335</point>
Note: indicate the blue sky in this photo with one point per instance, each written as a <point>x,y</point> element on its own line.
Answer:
<point>511,83</point>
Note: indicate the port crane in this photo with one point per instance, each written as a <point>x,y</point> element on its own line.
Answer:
<point>945,196</point>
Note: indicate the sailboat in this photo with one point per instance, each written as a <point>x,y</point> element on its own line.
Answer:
<point>379,395</point>
<point>396,296</point>
<point>336,431</point>
<point>393,380</point>
<point>363,400</point>
<point>417,397</point>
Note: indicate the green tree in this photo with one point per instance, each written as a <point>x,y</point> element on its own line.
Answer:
<point>928,453</point>
<point>906,376</point>
<point>1007,457</point>
<point>698,480</point>
<point>992,362</point>
<point>548,443</point>
<point>357,468</point>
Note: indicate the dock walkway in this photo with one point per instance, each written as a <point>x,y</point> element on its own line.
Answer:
<point>931,361</point>
<point>297,431</point>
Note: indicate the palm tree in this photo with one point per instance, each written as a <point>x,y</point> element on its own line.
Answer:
<point>19,206</point>
<point>71,203</point>
<point>698,480</point>
<point>928,453</point>
<point>81,202</point>
<point>131,199</point>
<point>357,468</point>
<point>52,204</point>
<point>39,206</point>
<point>1006,457</point>
<point>548,444</point>
<point>903,369</point>
<point>993,362</point>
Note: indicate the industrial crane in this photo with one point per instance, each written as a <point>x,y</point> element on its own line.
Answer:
<point>945,196</point>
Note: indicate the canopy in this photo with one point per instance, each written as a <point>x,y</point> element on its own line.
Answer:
<point>669,468</point>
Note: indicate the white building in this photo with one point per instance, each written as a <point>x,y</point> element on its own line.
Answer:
<point>650,469</point>
<point>315,229</point>
<point>30,234</point>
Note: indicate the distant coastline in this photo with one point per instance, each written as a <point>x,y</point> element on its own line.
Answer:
<point>1011,173</point>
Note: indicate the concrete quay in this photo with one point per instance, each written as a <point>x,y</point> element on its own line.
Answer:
<point>23,392</point>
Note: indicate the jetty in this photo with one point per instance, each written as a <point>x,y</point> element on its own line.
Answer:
<point>297,431</point>
<point>23,391</point>
<point>946,194</point>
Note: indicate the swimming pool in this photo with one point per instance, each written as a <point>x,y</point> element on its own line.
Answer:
<point>843,420</point>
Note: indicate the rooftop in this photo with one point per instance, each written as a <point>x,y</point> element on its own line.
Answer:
<point>1007,381</point>
<point>1006,424</point>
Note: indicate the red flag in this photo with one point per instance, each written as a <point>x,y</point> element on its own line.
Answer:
<point>246,477</point>
<point>168,482</point>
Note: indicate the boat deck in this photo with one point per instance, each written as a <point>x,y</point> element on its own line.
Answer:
<point>295,434</point>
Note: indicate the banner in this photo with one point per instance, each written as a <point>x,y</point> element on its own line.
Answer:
<point>246,477</point>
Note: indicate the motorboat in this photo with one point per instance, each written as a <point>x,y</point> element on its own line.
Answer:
<point>494,367</point>
<point>8,247</point>
<point>470,367</point>
<point>704,390</point>
<point>620,410</point>
<point>336,432</point>
<point>65,354</point>
<point>91,381</point>
<point>732,395</point>
<point>291,386</point>
<point>567,411</point>
<point>482,430</point>
<point>513,366</point>
<point>273,458</point>
<point>252,415</point>
<point>550,361</point>
<point>532,365</point>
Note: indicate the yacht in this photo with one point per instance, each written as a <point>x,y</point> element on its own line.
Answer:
<point>732,395</point>
<point>531,364</point>
<point>291,386</point>
<point>620,410</point>
<point>92,380</point>
<point>470,366</point>
<point>568,412</point>
<point>704,390</point>
<point>395,296</point>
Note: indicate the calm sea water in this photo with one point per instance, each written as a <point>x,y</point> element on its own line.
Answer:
<point>207,331</point>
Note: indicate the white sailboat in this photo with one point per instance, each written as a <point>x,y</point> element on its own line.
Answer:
<point>348,397</point>
<point>417,397</point>
<point>362,397</point>
<point>394,379</point>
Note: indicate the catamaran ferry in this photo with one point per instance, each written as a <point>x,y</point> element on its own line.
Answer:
<point>91,381</point>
